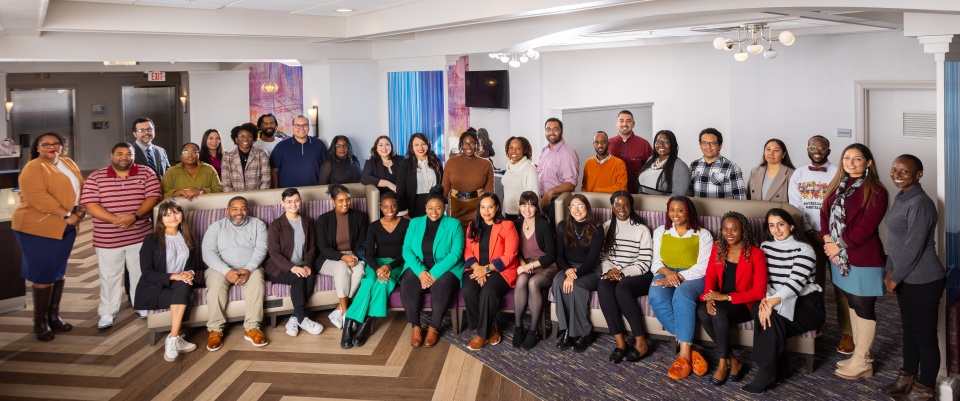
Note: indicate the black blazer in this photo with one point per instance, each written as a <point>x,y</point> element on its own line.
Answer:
<point>327,235</point>
<point>153,267</point>
<point>374,171</point>
<point>407,184</point>
<point>546,239</point>
<point>159,156</point>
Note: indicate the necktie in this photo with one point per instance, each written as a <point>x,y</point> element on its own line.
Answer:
<point>150,161</point>
<point>820,169</point>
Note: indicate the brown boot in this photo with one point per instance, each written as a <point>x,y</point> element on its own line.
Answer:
<point>41,304</point>
<point>433,336</point>
<point>918,392</point>
<point>902,385</point>
<point>416,336</point>
<point>53,313</point>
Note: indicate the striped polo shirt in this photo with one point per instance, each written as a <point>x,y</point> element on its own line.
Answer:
<point>119,196</point>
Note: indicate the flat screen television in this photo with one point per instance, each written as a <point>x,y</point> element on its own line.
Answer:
<point>488,89</point>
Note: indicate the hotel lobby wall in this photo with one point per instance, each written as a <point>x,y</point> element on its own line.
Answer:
<point>345,93</point>
<point>219,100</point>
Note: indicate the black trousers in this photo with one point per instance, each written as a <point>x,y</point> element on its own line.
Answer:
<point>718,326</point>
<point>301,288</point>
<point>483,303</point>
<point>619,298</point>
<point>770,343</point>
<point>919,306</point>
<point>180,293</point>
<point>441,292</point>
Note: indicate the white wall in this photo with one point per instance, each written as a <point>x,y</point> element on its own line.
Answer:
<point>344,93</point>
<point>220,100</point>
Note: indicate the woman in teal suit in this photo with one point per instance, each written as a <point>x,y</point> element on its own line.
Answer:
<point>433,261</point>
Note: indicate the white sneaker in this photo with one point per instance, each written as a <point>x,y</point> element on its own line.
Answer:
<point>336,317</point>
<point>171,349</point>
<point>310,326</point>
<point>292,329</point>
<point>106,321</point>
<point>183,346</point>
<point>142,314</point>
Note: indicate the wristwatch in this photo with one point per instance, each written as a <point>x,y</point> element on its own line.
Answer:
<point>67,216</point>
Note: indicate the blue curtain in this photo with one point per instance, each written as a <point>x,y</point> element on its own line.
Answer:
<point>951,103</point>
<point>415,103</point>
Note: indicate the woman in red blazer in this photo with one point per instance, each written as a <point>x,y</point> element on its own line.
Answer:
<point>736,279</point>
<point>490,255</point>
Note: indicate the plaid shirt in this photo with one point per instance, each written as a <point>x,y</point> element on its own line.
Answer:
<point>720,179</point>
<point>234,178</point>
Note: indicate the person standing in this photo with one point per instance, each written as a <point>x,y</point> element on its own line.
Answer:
<point>296,162</point>
<point>519,176</point>
<point>715,176</point>
<point>380,170</point>
<point>269,136</point>
<point>603,173</point>
<point>559,167</point>
<point>120,197</point>
<point>191,177</point>
<point>342,167</point>
<point>769,181</point>
<point>145,153</point>
<point>914,272</point>
<point>418,174</point>
<point>806,191</point>
<point>467,177</point>
<point>45,225</point>
<point>245,168</point>
<point>212,152</point>
<point>631,148</point>
<point>665,174</point>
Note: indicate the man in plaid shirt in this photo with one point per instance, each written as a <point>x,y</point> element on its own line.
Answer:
<point>715,176</point>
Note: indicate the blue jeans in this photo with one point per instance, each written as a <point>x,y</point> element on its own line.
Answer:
<point>676,307</point>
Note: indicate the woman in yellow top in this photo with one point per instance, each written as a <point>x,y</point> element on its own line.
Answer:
<point>45,225</point>
<point>191,177</point>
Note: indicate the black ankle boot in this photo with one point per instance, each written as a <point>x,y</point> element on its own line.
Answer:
<point>517,336</point>
<point>346,339</point>
<point>41,304</point>
<point>531,339</point>
<point>363,333</point>
<point>53,312</point>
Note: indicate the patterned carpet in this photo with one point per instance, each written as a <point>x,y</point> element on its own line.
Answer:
<point>563,375</point>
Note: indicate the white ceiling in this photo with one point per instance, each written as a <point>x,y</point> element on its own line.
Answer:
<point>305,7</point>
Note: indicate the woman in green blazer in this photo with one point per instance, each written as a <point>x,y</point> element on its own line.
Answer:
<point>433,261</point>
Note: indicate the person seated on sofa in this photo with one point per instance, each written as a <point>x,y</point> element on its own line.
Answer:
<point>537,253</point>
<point>233,249</point>
<point>793,304</point>
<point>736,279</point>
<point>579,241</point>
<point>385,254</point>
<point>491,259</point>
<point>168,267</point>
<point>433,261</point>
<point>625,263</point>
<point>681,249</point>
<point>340,235</point>
<point>191,177</point>
<point>292,251</point>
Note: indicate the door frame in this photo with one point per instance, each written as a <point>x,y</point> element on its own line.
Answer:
<point>861,101</point>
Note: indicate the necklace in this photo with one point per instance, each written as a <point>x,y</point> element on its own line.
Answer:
<point>657,164</point>
<point>528,226</point>
<point>579,234</point>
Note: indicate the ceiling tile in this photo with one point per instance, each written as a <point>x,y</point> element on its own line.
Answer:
<point>359,7</point>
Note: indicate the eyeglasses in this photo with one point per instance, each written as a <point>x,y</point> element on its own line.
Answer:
<point>711,144</point>
<point>144,130</point>
<point>340,146</point>
<point>814,148</point>
<point>554,129</point>
<point>51,145</point>
<point>189,152</point>
<point>577,207</point>
<point>301,126</point>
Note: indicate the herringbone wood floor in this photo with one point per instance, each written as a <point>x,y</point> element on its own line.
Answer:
<point>117,364</point>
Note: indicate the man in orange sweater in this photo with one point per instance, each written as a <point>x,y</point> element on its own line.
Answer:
<point>604,173</point>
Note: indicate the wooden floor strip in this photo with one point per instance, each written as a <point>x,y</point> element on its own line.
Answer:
<point>254,392</point>
<point>58,392</point>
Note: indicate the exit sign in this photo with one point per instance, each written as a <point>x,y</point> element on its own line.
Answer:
<point>156,76</point>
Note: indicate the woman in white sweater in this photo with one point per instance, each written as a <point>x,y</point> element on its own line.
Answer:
<point>626,276</point>
<point>519,177</point>
<point>794,302</point>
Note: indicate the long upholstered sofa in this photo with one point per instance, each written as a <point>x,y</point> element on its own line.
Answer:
<point>652,210</point>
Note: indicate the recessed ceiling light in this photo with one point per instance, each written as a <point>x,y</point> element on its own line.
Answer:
<point>344,10</point>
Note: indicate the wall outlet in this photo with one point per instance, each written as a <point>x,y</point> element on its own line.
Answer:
<point>844,133</point>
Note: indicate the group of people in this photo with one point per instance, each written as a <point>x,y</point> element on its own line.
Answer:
<point>486,247</point>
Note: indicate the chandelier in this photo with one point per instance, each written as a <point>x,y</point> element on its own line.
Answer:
<point>269,87</point>
<point>516,58</point>
<point>752,35</point>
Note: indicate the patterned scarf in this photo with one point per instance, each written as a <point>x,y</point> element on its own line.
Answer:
<point>838,220</point>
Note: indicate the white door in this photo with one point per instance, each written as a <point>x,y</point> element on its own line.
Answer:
<point>888,139</point>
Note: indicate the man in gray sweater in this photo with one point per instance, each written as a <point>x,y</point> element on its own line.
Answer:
<point>233,249</point>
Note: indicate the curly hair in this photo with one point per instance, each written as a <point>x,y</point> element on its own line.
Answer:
<point>747,241</point>
<point>524,144</point>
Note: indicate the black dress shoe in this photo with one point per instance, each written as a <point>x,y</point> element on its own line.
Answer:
<point>531,339</point>
<point>346,339</point>
<point>581,343</point>
<point>763,381</point>
<point>564,341</point>
<point>363,333</point>
<point>517,336</point>
<point>617,355</point>
<point>632,354</point>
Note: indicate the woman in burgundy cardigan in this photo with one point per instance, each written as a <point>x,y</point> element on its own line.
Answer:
<point>855,204</point>
<point>736,279</point>
<point>292,263</point>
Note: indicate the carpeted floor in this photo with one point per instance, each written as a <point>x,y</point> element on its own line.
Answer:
<point>563,375</point>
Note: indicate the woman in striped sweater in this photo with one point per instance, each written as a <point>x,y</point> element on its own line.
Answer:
<point>794,302</point>
<point>626,275</point>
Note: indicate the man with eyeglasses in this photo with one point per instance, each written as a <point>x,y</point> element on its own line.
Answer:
<point>806,191</point>
<point>559,168</point>
<point>605,172</point>
<point>145,153</point>
<point>715,176</point>
<point>296,162</point>
<point>631,148</point>
<point>269,135</point>
<point>120,197</point>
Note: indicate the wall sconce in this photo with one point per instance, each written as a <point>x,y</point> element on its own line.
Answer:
<point>9,106</point>
<point>183,102</point>
<point>314,112</point>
